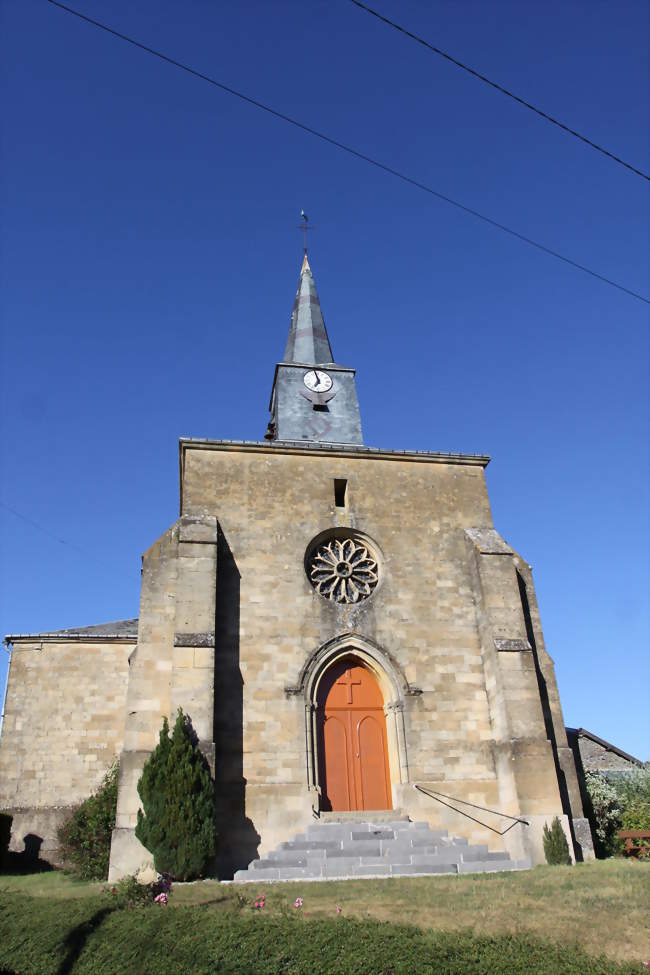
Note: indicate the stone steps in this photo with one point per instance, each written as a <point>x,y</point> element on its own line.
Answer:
<point>353,845</point>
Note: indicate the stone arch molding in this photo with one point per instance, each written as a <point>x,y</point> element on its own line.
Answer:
<point>394,686</point>
<point>392,681</point>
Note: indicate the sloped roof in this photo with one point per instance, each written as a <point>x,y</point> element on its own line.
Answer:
<point>116,630</point>
<point>607,745</point>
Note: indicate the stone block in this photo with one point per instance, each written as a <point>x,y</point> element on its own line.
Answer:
<point>271,862</point>
<point>584,839</point>
<point>486,866</point>
<point>313,847</point>
<point>253,877</point>
<point>329,832</point>
<point>431,859</point>
<point>377,834</point>
<point>405,870</point>
<point>361,847</point>
<point>394,847</point>
<point>128,855</point>
<point>474,853</point>
<point>423,839</point>
<point>298,873</point>
<point>341,868</point>
<point>376,870</point>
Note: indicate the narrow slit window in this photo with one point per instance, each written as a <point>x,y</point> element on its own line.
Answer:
<point>340,492</point>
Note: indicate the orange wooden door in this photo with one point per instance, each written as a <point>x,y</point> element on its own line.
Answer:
<point>352,750</point>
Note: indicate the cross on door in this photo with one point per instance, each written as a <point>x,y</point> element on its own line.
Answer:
<point>349,683</point>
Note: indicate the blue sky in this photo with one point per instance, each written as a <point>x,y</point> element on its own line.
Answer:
<point>150,258</point>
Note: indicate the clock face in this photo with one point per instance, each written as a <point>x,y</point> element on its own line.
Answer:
<point>317,380</point>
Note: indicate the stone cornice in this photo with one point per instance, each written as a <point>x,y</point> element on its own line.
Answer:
<point>69,638</point>
<point>335,450</point>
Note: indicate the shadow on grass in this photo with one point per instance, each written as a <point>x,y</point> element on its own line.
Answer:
<point>29,861</point>
<point>74,943</point>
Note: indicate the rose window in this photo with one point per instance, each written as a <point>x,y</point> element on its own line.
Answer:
<point>343,570</point>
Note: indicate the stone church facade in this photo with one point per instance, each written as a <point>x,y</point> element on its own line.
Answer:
<point>345,627</point>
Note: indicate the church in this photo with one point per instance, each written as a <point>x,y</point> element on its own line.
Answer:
<point>353,640</point>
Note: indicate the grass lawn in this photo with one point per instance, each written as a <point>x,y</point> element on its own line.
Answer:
<point>550,919</point>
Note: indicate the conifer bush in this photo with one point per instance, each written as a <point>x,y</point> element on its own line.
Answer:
<point>177,821</point>
<point>85,837</point>
<point>556,848</point>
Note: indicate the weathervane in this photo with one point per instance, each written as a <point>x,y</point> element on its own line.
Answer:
<point>304,226</point>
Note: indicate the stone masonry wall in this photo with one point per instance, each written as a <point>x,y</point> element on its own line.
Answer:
<point>230,625</point>
<point>172,666</point>
<point>63,727</point>
<point>270,504</point>
<point>596,758</point>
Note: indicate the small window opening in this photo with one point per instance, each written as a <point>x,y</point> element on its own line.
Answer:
<point>340,492</point>
<point>320,407</point>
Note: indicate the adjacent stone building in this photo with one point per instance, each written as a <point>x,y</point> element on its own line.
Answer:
<point>344,625</point>
<point>594,754</point>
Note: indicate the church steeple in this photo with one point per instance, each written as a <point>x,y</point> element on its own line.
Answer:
<point>307,341</point>
<point>313,398</point>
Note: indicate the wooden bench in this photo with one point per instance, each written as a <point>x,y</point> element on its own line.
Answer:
<point>631,849</point>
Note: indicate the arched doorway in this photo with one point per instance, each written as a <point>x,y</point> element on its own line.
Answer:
<point>351,739</point>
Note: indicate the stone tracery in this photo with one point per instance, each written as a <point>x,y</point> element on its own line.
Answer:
<point>343,570</point>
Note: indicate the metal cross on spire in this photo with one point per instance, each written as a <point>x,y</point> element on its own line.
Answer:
<point>304,225</point>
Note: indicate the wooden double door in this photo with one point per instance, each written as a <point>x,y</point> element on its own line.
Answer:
<point>351,739</point>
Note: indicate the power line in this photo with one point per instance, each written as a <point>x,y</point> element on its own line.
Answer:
<point>498,87</point>
<point>345,148</point>
<point>45,531</point>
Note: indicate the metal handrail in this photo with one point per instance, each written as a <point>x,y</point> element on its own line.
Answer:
<point>436,795</point>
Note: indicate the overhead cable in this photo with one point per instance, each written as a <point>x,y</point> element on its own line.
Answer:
<point>345,148</point>
<point>57,538</point>
<point>498,87</point>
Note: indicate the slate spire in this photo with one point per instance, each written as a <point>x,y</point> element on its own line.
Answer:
<point>307,341</point>
<point>314,399</point>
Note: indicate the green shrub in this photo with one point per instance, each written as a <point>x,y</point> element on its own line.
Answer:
<point>85,838</point>
<point>128,892</point>
<point>604,812</point>
<point>5,835</point>
<point>634,786</point>
<point>556,848</point>
<point>636,816</point>
<point>178,823</point>
<point>636,812</point>
<point>617,802</point>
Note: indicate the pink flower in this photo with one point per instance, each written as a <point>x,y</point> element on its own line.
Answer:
<point>160,899</point>
<point>338,908</point>
<point>298,902</point>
